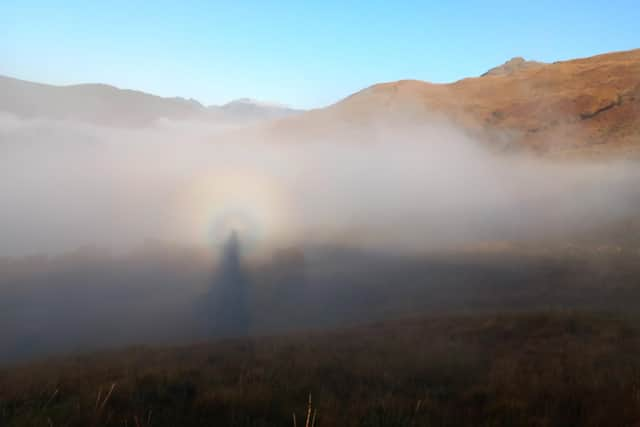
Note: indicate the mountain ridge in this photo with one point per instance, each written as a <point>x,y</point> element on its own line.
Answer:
<point>587,104</point>
<point>579,104</point>
<point>105,104</point>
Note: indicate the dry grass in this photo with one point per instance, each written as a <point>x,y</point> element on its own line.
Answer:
<point>569,106</point>
<point>554,368</point>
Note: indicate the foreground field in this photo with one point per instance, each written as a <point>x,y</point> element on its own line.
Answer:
<point>543,368</point>
<point>86,303</point>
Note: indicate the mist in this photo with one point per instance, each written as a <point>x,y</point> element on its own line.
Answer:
<point>66,185</point>
<point>114,236</point>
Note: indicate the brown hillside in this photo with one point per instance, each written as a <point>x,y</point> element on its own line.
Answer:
<point>570,104</point>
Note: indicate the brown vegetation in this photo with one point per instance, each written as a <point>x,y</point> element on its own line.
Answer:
<point>579,104</point>
<point>542,369</point>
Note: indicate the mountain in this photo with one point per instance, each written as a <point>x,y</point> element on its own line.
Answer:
<point>108,105</point>
<point>94,103</point>
<point>576,104</point>
<point>246,107</point>
<point>588,104</point>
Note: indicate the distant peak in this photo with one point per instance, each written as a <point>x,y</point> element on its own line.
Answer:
<point>516,63</point>
<point>254,102</point>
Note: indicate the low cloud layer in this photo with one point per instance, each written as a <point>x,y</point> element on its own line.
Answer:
<point>329,232</point>
<point>64,185</point>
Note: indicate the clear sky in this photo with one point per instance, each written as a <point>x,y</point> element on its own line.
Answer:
<point>302,53</point>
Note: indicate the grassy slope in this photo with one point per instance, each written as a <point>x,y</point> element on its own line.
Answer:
<point>580,104</point>
<point>560,368</point>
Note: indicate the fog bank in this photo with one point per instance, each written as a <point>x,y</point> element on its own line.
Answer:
<point>133,230</point>
<point>64,185</point>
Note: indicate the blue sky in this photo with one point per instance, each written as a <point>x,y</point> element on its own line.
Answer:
<point>302,53</point>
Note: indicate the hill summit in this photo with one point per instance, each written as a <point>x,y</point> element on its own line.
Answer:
<point>511,66</point>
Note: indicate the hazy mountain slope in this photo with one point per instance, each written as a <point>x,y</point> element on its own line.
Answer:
<point>577,103</point>
<point>251,109</point>
<point>108,105</point>
<point>95,103</point>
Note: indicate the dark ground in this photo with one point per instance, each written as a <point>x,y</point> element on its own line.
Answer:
<point>478,339</point>
<point>534,369</point>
